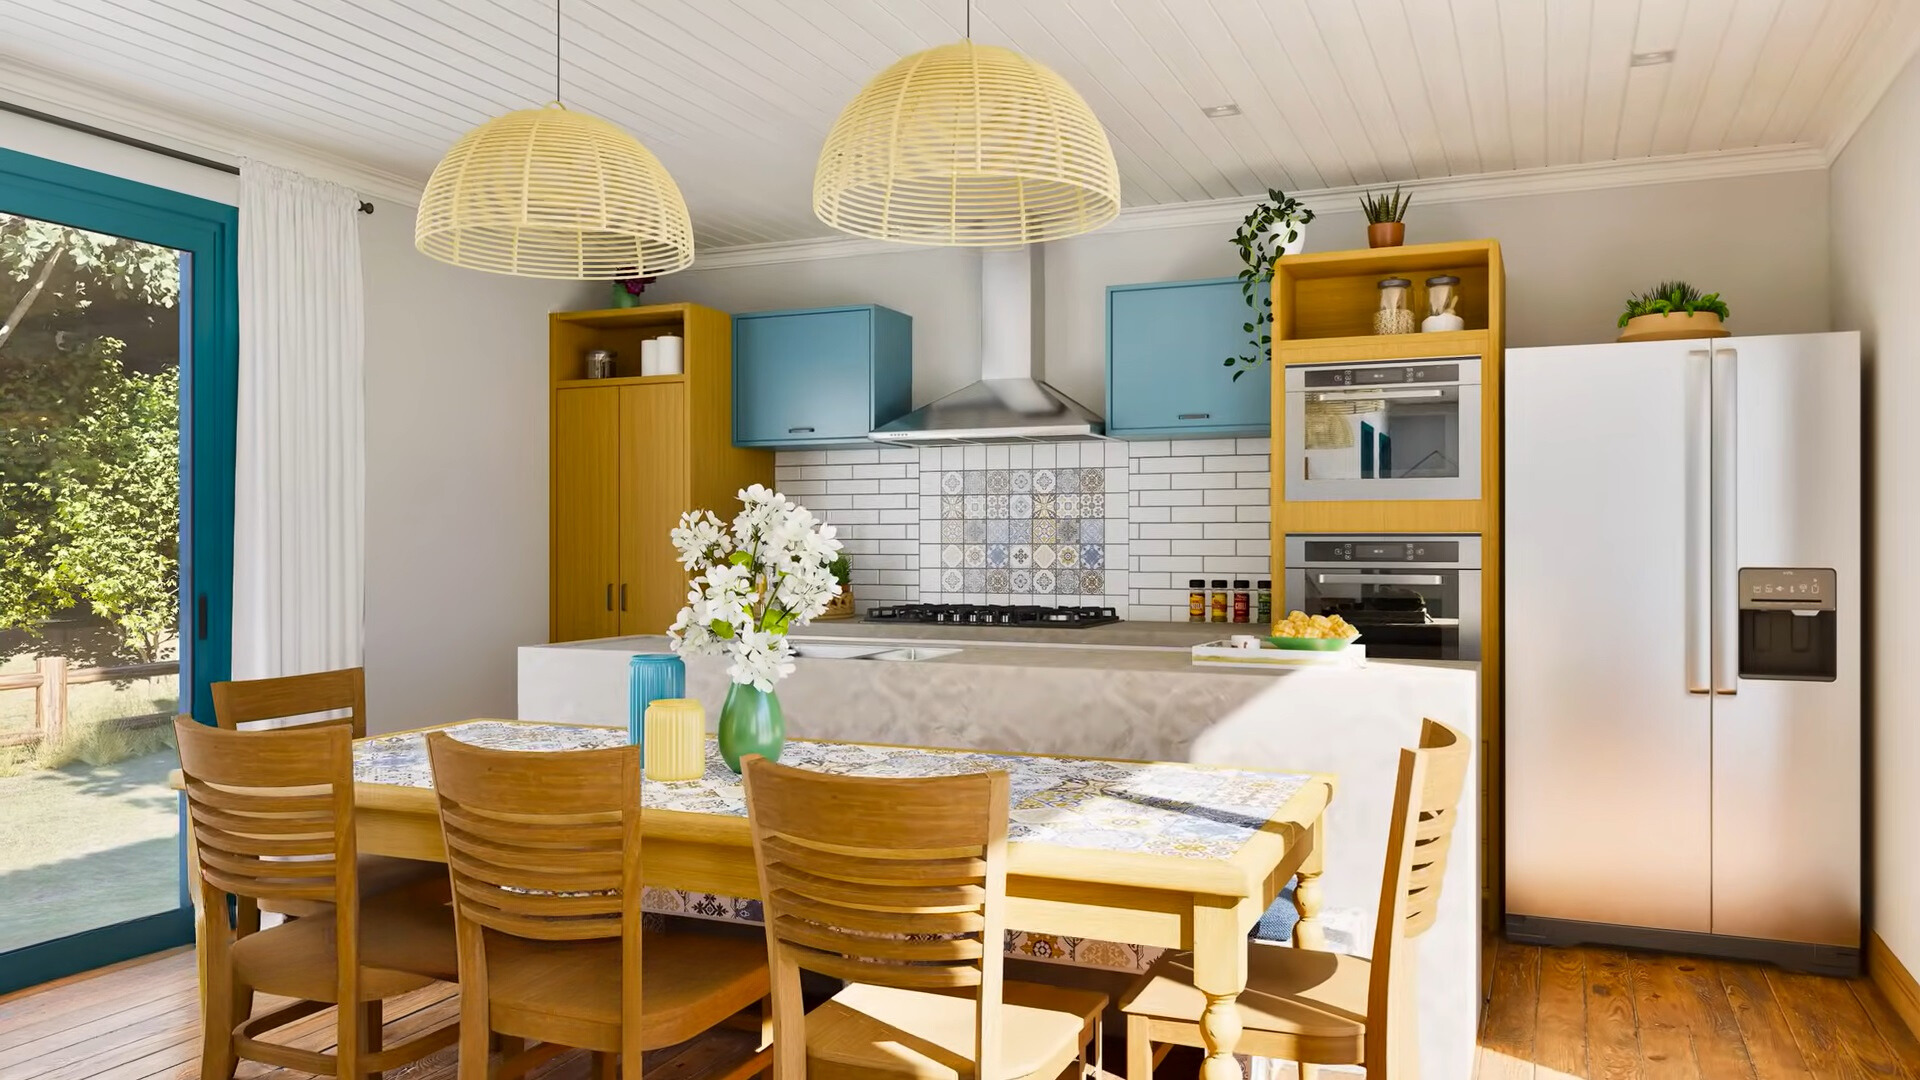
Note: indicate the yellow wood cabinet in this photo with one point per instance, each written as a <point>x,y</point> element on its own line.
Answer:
<point>629,455</point>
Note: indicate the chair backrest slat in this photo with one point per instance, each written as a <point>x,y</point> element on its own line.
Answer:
<point>898,883</point>
<point>317,694</point>
<point>1425,808</point>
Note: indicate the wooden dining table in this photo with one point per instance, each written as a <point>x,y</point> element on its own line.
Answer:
<point>1152,853</point>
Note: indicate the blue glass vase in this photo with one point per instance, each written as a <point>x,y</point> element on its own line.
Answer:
<point>751,723</point>
<point>652,676</point>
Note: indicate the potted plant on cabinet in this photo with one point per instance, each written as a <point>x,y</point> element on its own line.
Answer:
<point>841,606</point>
<point>1276,226</point>
<point>1673,310</point>
<point>1386,218</point>
<point>753,581</point>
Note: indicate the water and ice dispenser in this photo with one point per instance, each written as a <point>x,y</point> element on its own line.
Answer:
<point>1789,624</point>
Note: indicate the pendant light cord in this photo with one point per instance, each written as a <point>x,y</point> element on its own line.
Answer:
<point>556,51</point>
<point>969,20</point>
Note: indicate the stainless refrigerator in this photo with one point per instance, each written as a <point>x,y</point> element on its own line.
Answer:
<point>1683,615</point>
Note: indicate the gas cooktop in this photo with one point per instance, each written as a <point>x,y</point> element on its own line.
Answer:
<point>995,615</point>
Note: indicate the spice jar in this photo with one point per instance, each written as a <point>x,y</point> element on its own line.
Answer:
<point>1394,316</point>
<point>1443,303</point>
<point>1263,604</point>
<point>1242,601</point>
<point>1218,600</point>
<point>1197,600</point>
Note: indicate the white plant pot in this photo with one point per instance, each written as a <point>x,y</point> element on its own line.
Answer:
<point>1276,236</point>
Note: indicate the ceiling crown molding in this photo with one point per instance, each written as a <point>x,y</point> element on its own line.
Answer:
<point>1225,213</point>
<point>37,88</point>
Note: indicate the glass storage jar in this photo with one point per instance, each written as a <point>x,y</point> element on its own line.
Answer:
<point>1443,305</point>
<point>1394,316</point>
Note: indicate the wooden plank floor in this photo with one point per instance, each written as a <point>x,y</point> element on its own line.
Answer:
<point>1577,1013</point>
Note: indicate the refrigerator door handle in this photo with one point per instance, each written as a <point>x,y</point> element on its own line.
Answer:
<point>1698,607</point>
<point>1726,505</point>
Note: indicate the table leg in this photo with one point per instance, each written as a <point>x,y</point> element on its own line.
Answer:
<point>1308,899</point>
<point>1220,973</point>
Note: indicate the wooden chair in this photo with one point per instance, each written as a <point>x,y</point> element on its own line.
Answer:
<point>1323,1008</point>
<point>272,819</point>
<point>323,692</point>
<point>545,856</point>
<point>899,887</point>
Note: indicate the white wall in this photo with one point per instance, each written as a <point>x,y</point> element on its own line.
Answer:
<point>456,429</point>
<point>1572,258</point>
<point>1876,228</point>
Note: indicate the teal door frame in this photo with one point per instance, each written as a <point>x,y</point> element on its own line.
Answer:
<point>207,232</point>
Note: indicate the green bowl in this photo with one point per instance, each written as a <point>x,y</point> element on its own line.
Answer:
<point>1307,644</point>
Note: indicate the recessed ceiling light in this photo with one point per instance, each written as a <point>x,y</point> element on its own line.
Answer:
<point>1221,112</point>
<point>1650,59</point>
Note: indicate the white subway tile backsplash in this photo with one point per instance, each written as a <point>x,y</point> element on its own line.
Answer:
<point>1262,512</point>
<point>1232,463</point>
<point>1147,448</point>
<point>1263,447</point>
<point>901,487</point>
<point>799,457</point>
<point>1199,480</point>
<point>826,472</point>
<point>1153,612</point>
<point>1141,514</point>
<point>904,455</point>
<point>974,457</point>
<point>1144,546</point>
<point>1201,548</point>
<point>1164,465</point>
<point>1202,447</point>
<point>887,471</point>
<point>857,487</point>
<point>1152,531</point>
<point>1236,531</point>
<point>1176,498</point>
<point>1235,497</point>
<point>1262,480</point>
<point>1204,513</point>
<point>1150,481</point>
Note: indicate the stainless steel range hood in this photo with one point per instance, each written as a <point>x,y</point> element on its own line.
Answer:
<point>1008,403</point>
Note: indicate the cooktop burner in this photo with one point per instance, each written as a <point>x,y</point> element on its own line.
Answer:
<point>995,615</point>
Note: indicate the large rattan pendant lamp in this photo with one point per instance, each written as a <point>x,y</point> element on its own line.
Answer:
<point>967,145</point>
<point>552,193</point>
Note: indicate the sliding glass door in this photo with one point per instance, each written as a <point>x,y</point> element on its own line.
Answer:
<point>117,356</point>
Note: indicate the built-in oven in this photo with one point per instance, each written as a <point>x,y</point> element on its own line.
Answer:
<point>1400,429</point>
<point>1412,597</point>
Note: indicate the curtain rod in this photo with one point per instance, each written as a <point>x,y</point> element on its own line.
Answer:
<point>128,140</point>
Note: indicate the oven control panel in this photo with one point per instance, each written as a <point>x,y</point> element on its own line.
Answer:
<point>1415,551</point>
<point>1384,375</point>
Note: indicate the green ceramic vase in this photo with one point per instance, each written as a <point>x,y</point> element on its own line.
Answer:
<point>751,723</point>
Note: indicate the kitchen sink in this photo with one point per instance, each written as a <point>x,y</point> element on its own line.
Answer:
<point>912,654</point>
<point>815,650</point>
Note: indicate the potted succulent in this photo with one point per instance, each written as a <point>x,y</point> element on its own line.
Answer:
<point>1276,226</point>
<point>753,581</point>
<point>1386,218</point>
<point>1673,310</point>
<point>841,606</point>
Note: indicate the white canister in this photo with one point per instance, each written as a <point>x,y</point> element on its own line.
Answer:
<point>672,353</point>
<point>650,357</point>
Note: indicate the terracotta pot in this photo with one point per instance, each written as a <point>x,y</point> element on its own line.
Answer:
<point>1685,324</point>
<point>840,607</point>
<point>1386,233</point>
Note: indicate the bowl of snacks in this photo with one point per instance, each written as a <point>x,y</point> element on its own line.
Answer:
<point>1321,633</point>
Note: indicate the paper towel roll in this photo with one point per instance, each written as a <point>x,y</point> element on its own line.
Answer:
<point>672,349</point>
<point>650,357</point>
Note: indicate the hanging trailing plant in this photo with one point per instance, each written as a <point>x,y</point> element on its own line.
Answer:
<point>1274,227</point>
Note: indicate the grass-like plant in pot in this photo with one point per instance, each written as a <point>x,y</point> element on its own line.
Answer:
<point>1386,217</point>
<point>1672,310</point>
<point>1276,226</point>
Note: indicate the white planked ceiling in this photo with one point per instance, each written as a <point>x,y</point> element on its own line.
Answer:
<point>735,96</point>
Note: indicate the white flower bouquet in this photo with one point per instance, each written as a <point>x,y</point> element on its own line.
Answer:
<point>771,571</point>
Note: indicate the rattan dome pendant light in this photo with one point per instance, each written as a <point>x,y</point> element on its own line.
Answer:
<point>967,145</point>
<point>552,193</point>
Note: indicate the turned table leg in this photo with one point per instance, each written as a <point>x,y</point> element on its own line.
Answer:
<point>1220,973</point>
<point>1308,899</point>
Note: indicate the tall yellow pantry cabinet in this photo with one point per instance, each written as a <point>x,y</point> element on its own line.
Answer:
<point>629,454</point>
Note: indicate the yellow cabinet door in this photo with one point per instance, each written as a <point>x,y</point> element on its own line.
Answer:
<point>653,493</point>
<point>586,514</point>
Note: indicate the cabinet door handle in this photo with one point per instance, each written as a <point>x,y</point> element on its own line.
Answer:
<point>799,431</point>
<point>1196,416</point>
<point>623,596</point>
<point>609,596</point>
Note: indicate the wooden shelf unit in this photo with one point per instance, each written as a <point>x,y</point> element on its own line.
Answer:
<point>1323,307</point>
<point>628,456</point>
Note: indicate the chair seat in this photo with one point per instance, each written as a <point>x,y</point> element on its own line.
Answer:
<point>1305,994</point>
<point>873,1032</point>
<point>378,875</point>
<point>404,945</point>
<point>568,992</point>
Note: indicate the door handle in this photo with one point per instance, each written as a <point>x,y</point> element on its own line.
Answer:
<point>1698,606</point>
<point>1380,579</point>
<point>799,431</point>
<point>623,596</point>
<point>609,596</point>
<point>1726,515</point>
<point>200,616</point>
<point>1196,416</point>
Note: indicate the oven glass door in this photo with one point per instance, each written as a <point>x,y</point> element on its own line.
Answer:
<point>1402,613</point>
<point>1411,440</point>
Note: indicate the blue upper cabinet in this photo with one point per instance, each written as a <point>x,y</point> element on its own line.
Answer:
<point>820,376</point>
<point>1165,377</point>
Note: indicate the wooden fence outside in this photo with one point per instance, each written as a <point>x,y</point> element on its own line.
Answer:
<point>49,682</point>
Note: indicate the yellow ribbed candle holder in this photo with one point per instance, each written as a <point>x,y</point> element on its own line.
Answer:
<point>676,740</point>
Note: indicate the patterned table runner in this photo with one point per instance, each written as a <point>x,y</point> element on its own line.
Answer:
<point>1157,808</point>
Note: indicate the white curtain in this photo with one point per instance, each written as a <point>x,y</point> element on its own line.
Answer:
<point>299,465</point>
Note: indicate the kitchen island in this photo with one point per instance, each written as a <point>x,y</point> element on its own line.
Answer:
<point>1126,690</point>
